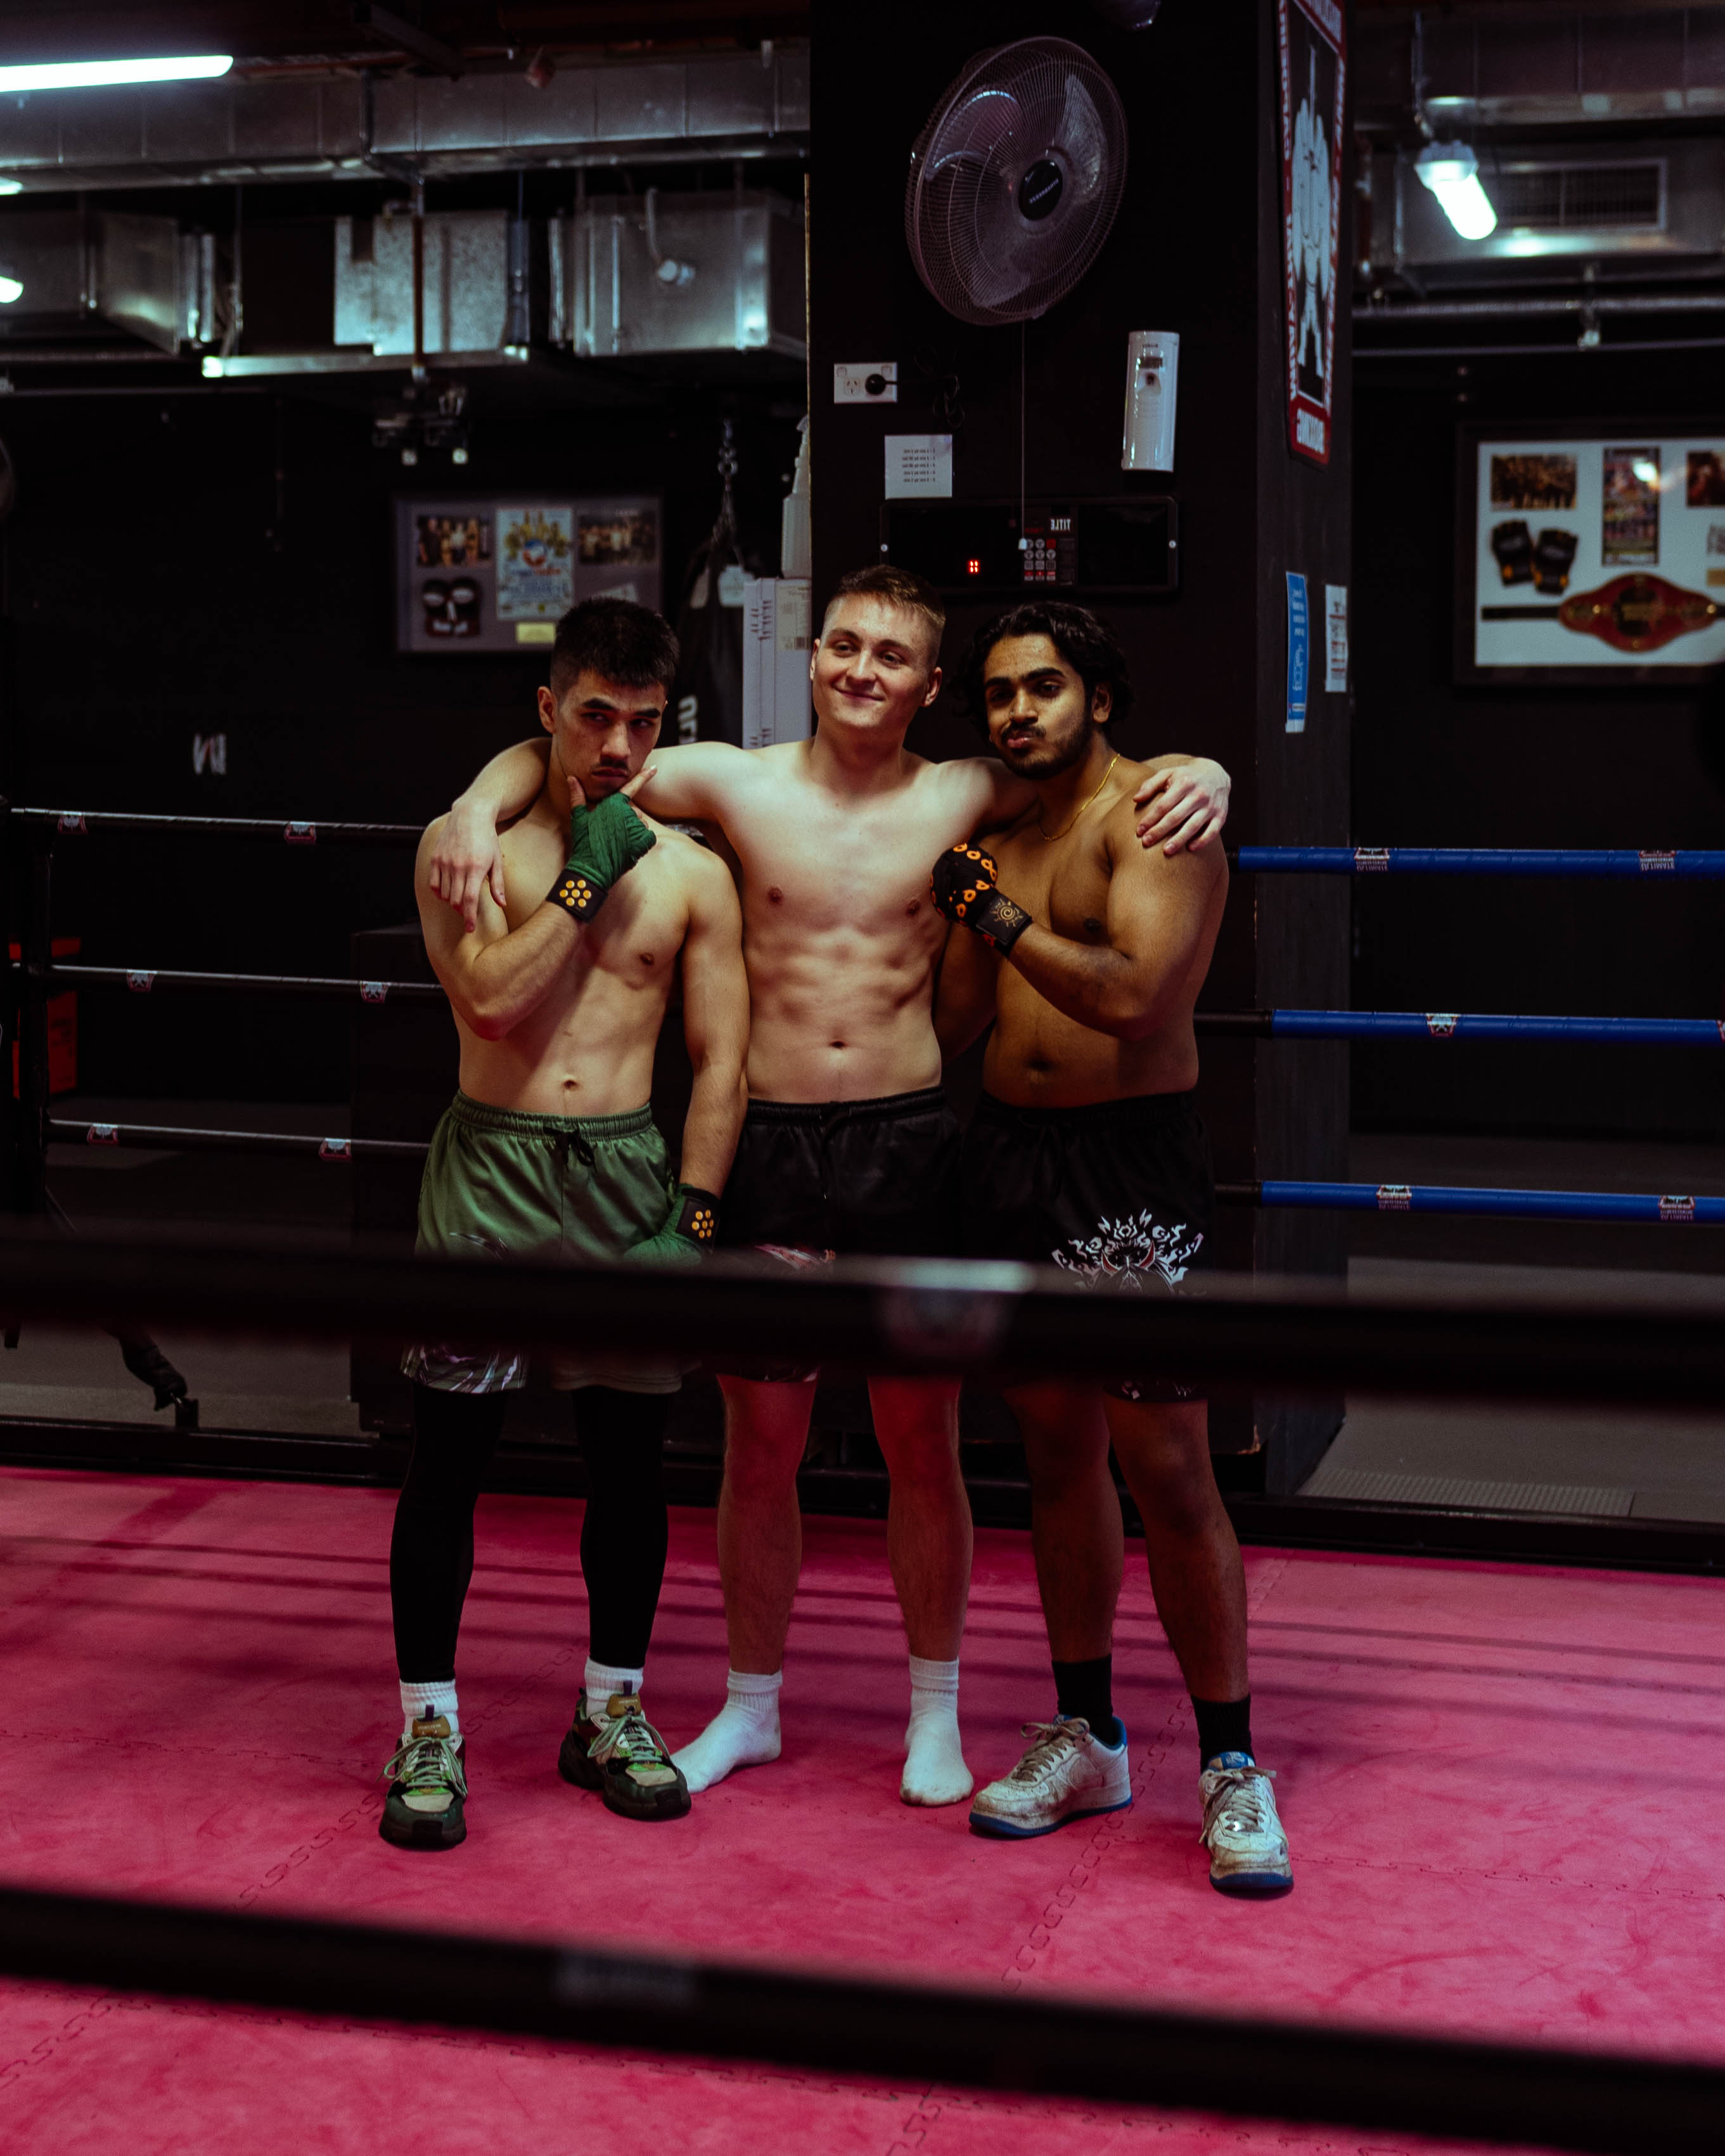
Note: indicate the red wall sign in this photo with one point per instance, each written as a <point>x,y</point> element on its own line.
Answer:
<point>1312,44</point>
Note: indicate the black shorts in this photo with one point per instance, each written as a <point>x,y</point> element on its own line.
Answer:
<point>1121,1194</point>
<point>815,1180</point>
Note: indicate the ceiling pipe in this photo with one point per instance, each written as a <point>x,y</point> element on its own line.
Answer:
<point>1456,311</point>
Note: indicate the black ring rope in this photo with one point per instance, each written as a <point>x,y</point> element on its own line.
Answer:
<point>86,822</point>
<point>900,1316</point>
<point>1257,1024</point>
<point>1607,2104</point>
<point>144,980</point>
<point>176,1138</point>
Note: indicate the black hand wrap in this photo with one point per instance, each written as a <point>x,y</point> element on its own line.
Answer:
<point>605,843</point>
<point>964,890</point>
<point>696,1219</point>
<point>689,1233</point>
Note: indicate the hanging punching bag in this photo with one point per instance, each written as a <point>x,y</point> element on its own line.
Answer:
<point>707,698</point>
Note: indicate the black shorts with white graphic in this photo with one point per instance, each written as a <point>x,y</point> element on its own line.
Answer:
<point>814,1180</point>
<point>1120,1193</point>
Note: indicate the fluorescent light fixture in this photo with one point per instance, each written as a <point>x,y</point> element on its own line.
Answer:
<point>211,369</point>
<point>1452,172</point>
<point>11,187</point>
<point>10,289</point>
<point>94,74</point>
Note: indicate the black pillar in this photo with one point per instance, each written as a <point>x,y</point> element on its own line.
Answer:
<point>1197,249</point>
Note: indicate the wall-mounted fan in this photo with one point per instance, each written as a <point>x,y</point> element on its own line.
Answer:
<point>1015,180</point>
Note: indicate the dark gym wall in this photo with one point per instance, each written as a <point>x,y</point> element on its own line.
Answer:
<point>1197,249</point>
<point>1439,764</point>
<point>158,586</point>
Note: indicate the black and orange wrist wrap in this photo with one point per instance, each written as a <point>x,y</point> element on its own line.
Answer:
<point>964,888</point>
<point>696,1219</point>
<point>576,895</point>
<point>605,843</point>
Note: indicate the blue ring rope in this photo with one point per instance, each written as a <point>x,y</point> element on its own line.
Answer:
<point>1478,861</point>
<point>1523,1204</point>
<point>1486,1025</point>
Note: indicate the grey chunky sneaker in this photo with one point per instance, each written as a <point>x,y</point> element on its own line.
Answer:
<point>426,1807</point>
<point>1249,1851</point>
<point>618,1753</point>
<point>1067,1774</point>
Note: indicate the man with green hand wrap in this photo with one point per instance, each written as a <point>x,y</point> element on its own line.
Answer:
<point>549,1152</point>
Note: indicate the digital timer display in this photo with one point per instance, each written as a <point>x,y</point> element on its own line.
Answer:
<point>1123,547</point>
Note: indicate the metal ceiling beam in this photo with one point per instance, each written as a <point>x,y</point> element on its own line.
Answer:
<point>390,29</point>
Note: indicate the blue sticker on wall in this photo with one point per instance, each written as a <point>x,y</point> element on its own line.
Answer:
<point>1299,652</point>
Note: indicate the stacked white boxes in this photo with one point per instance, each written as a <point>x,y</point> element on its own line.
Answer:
<point>777,637</point>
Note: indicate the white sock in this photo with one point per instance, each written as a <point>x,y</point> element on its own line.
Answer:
<point>601,1679</point>
<point>419,1702</point>
<point>744,1733</point>
<point>935,1772</point>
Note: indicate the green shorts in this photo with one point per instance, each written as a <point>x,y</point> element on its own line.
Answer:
<point>558,1189</point>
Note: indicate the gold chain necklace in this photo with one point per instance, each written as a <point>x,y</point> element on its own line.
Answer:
<point>1051,836</point>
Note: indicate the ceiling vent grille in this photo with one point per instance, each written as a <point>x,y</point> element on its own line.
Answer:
<point>1624,198</point>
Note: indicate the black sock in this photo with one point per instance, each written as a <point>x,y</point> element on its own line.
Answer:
<point>1223,1725</point>
<point>1087,1689</point>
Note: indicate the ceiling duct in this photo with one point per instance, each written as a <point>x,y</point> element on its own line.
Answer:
<point>82,271</point>
<point>737,284</point>
<point>708,105</point>
<point>1560,68</point>
<point>1650,204</point>
<point>1581,198</point>
<point>466,282</point>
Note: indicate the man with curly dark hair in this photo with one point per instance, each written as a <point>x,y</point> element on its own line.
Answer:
<point>1086,953</point>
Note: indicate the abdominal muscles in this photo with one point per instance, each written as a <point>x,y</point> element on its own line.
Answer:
<point>587,1051</point>
<point>842,1012</point>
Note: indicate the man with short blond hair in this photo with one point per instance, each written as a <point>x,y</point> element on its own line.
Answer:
<point>849,1144</point>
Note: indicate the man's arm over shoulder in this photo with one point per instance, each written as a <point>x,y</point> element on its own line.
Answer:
<point>694,784</point>
<point>495,975</point>
<point>698,783</point>
<point>466,857</point>
<point>1183,803</point>
<point>716,1016</point>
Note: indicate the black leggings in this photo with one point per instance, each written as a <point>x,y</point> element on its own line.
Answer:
<point>624,1535</point>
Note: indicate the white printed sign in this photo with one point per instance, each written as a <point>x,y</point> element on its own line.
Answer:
<point>919,467</point>
<point>1336,639</point>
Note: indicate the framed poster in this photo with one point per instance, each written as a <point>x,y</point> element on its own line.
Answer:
<point>1586,551</point>
<point>493,575</point>
<point>1311,43</point>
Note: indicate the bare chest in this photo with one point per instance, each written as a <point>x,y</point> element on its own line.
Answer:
<point>1062,884</point>
<point>638,930</point>
<point>819,867</point>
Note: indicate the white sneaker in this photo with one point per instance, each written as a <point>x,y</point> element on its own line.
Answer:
<point>1249,1851</point>
<point>1067,1774</point>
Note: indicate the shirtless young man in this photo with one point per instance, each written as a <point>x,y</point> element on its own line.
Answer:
<point>1087,955</point>
<point>850,1145</point>
<point>558,991</point>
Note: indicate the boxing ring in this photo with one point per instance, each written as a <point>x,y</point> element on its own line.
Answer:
<point>1532,1960</point>
<point>941,1980</point>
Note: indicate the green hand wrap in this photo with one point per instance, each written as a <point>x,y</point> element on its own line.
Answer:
<point>688,1234</point>
<point>605,843</point>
